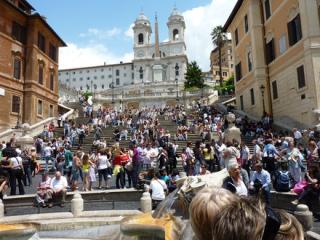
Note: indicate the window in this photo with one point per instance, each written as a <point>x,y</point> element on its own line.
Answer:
<point>101,69</point>
<point>238,72</point>
<point>88,78</point>
<point>249,61</point>
<point>267,9</point>
<point>40,74</point>
<point>88,71</point>
<point>53,52</point>
<point>117,72</point>
<point>246,24</point>
<point>132,75</point>
<point>41,42</point>
<point>124,75</point>
<point>236,36</point>
<point>110,76</point>
<point>175,34</point>
<point>102,77</point>
<point>274,90</point>
<point>224,74</point>
<point>15,104</point>
<point>117,81</point>
<point>282,44</point>
<point>39,107</point>
<point>52,81</point>
<point>252,96</point>
<point>241,103</point>
<point>140,38</point>
<point>141,73</point>
<point>50,110</point>
<point>95,77</point>
<point>301,77</point>
<point>102,86</point>
<point>95,86</point>
<point>17,68</point>
<point>18,32</point>
<point>270,54</point>
<point>81,79</point>
<point>294,30</point>
<point>74,73</point>
<point>81,88</point>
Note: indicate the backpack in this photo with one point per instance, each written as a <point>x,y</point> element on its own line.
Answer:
<point>283,182</point>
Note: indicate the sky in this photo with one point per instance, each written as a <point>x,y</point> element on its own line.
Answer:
<point>100,31</point>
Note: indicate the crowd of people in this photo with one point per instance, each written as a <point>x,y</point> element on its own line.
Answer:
<point>150,158</point>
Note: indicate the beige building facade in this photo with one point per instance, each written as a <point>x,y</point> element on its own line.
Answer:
<point>276,52</point>
<point>226,60</point>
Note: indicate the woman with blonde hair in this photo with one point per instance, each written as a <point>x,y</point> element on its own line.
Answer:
<point>204,208</point>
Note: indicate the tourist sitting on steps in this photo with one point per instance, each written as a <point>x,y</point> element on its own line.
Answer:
<point>42,197</point>
<point>58,190</point>
<point>261,182</point>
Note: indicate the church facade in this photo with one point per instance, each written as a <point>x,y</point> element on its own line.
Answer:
<point>158,68</point>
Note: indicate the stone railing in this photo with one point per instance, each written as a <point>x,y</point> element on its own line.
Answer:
<point>35,129</point>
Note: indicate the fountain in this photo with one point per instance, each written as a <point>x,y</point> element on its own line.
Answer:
<point>18,232</point>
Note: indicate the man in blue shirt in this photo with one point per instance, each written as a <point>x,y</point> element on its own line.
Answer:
<point>262,177</point>
<point>269,154</point>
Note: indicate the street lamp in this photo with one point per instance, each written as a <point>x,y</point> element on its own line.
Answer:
<point>177,74</point>
<point>262,88</point>
<point>112,88</point>
<point>141,73</point>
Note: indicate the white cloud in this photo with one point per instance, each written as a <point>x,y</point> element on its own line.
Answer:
<point>100,33</point>
<point>74,56</point>
<point>129,32</point>
<point>199,23</point>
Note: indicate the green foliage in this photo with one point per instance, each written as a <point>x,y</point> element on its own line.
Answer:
<point>86,95</point>
<point>226,87</point>
<point>193,76</point>
<point>218,37</point>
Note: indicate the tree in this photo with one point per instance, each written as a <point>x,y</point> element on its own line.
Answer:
<point>218,38</point>
<point>226,87</point>
<point>193,76</point>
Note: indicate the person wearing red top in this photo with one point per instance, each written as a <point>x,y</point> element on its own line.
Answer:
<point>120,160</point>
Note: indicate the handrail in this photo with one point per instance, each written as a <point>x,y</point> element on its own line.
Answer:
<point>35,129</point>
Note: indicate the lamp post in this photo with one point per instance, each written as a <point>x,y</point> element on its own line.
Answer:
<point>262,88</point>
<point>141,73</point>
<point>112,89</point>
<point>177,74</point>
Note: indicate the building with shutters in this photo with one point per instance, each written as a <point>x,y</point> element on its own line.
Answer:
<point>28,65</point>
<point>276,54</point>
<point>226,62</point>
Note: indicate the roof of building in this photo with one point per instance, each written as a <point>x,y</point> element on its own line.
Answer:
<point>232,15</point>
<point>27,4</point>
<point>36,15</point>
<point>98,66</point>
<point>41,18</point>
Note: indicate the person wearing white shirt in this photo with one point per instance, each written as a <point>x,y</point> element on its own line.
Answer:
<point>234,182</point>
<point>158,189</point>
<point>58,189</point>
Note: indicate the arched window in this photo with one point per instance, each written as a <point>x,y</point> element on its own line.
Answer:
<point>175,34</point>
<point>140,38</point>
